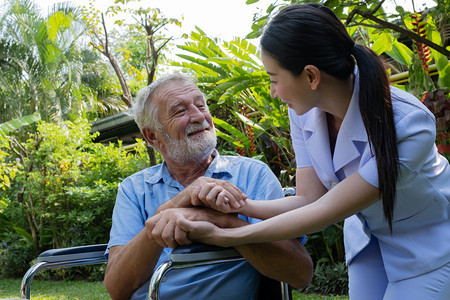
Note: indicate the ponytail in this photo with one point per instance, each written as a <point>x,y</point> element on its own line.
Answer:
<point>375,105</point>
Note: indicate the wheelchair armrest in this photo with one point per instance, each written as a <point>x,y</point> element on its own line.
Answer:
<point>95,252</point>
<point>64,257</point>
<point>202,252</point>
<point>289,191</point>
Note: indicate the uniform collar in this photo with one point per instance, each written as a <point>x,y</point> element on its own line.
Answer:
<point>351,133</point>
<point>162,174</point>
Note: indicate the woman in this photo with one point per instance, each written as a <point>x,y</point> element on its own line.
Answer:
<point>365,153</point>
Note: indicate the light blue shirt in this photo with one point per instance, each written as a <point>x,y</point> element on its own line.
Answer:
<point>141,194</point>
<point>420,241</point>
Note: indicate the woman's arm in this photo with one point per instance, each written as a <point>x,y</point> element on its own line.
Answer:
<point>309,188</point>
<point>347,198</point>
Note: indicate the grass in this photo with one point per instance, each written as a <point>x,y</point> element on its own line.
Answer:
<point>81,290</point>
<point>296,295</point>
<point>55,290</point>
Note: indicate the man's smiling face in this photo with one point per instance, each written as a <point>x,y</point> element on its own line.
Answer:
<point>187,127</point>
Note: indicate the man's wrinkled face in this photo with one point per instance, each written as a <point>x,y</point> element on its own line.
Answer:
<point>188,132</point>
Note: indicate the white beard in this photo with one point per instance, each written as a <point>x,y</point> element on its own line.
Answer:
<point>191,149</point>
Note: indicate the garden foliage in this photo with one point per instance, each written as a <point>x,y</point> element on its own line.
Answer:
<point>62,193</point>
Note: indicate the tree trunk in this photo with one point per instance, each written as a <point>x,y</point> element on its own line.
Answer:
<point>126,96</point>
<point>151,155</point>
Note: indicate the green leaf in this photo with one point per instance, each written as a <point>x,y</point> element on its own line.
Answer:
<point>6,180</point>
<point>247,121</point>
<point>400,53</point>
<point>233,130</point>
<point>24,234</point>
<point>382,42</point>
<point>442,63</point>
<point>229,139</point>
<point>57,22</point>
<point>19,122</point>
<point>400,9</point>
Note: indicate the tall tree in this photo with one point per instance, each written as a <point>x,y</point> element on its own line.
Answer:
<point>149,24</point>
<point>148,33</point>
<point>42,55</point>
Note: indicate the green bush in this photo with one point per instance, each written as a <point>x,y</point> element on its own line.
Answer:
<point>15,256</point>
<point>64,191</point>
<point>329,279</point>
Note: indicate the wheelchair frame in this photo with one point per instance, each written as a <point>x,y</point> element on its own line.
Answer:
<point>182,257</point>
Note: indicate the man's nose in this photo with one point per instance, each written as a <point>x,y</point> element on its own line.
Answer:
<point>196,115</point>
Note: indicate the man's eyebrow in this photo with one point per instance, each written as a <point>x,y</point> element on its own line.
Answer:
<point>182,102</point>
<point>175,105</point>
<point>270,73</point>
<point>199,97</point>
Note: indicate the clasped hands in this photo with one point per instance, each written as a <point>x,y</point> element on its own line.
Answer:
<point>213,201</point>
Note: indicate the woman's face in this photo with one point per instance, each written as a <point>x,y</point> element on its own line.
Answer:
<point>292,90</point>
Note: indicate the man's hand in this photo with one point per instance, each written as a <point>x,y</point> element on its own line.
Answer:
<point>162,228</point>
<point>217,194</point>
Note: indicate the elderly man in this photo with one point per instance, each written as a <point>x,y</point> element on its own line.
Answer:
<point>173,117</point>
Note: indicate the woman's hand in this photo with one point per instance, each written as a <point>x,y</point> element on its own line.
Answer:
<point>203,231</point>
<point>226,199</point>
<point>230,194</point>
<point>162,228</point>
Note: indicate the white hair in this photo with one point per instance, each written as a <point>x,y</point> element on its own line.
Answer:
<point>144,112</point>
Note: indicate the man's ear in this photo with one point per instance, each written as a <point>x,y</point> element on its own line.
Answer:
<point>150,136</point>
<point>313,76</point>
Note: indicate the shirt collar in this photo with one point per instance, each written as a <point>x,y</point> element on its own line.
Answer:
<point>162,174</point>
<point>352,131</point>
<point>352,125</point>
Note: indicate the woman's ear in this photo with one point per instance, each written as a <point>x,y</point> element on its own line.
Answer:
<point>150,136</point>
<point>313,76</point>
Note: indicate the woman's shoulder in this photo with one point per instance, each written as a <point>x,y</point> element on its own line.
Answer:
<point>412,118</point>
<point>405,104</point>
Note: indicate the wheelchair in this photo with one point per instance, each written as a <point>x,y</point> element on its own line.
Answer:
<point>182,257</point>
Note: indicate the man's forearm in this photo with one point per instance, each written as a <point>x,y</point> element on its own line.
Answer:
<point>131,265</point>
<point>286,261</point>
<point>182,199</point>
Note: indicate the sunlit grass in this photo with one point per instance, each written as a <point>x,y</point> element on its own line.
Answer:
<point>55,290</point>
<point>81,290</point>
<point>298,296</point>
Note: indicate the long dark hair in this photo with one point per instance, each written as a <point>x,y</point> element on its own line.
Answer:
<point>311,34</point>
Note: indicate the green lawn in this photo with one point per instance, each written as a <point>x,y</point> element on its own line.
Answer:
<point>81,290</point>
<point>298,296</point>
<point>55,290</point>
